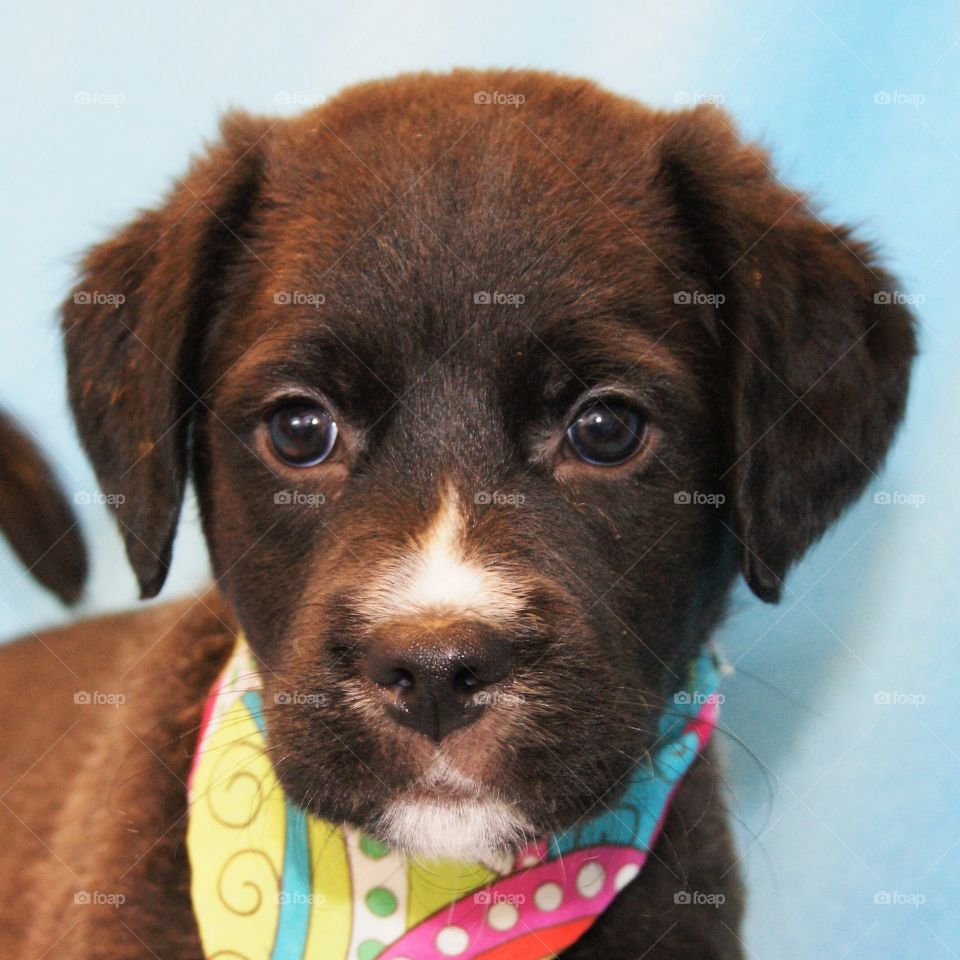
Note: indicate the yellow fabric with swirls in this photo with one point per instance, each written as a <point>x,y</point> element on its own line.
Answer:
<point>238,822</point>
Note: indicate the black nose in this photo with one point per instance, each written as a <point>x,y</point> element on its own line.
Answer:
<point>435,673</point>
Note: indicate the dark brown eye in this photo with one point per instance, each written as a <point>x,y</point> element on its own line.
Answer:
<point>607,433</point>
<point>302,434</point>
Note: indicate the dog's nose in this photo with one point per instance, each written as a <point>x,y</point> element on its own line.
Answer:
<point>435,673</point>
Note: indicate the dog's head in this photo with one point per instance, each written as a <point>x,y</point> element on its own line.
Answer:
<point>487,397</point>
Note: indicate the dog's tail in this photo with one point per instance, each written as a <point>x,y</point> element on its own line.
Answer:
<point>36,517</point>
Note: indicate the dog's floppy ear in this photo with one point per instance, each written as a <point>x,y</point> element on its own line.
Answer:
<point>816,341</point>
<point>133,330</point>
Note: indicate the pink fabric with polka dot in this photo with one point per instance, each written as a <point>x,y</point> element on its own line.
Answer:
<point>578,885</point>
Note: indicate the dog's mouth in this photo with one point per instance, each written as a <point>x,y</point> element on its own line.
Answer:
<point>445,814</point>
<point>442,782</point>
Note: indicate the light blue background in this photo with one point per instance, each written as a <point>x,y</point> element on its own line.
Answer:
<point>838,798</point>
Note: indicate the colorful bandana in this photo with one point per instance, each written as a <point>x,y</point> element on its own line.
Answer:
<point>271,882</point>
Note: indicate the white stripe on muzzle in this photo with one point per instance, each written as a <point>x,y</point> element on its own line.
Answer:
<point>438,578</point>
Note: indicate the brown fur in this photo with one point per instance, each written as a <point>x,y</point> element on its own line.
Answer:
<point>93,793</point>
<point>36,518</point>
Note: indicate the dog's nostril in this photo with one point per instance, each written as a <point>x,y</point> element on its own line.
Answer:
<point>466,681</point>
<point>390,674</point>
<point>399,678</point>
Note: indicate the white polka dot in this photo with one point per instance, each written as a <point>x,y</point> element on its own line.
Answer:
<point>503,916</point>
<point>590,879</point>
<point>548,897</point>
<point>530,860</point>
<point>626,874</point>
<point>452,941</point>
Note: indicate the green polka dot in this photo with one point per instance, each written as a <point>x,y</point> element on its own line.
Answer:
<point>381,902</point>
<point>369,950</point>
<point>374,849</point>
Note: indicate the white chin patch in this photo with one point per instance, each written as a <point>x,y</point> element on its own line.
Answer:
<point>467,830</point>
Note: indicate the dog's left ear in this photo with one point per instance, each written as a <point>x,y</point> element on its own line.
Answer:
<point>817,343</point>
<point>134,329</point>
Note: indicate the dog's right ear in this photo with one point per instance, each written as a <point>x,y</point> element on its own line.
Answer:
<point>133,331</point>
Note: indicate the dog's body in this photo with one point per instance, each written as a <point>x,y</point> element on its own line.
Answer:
<point>477,399</point>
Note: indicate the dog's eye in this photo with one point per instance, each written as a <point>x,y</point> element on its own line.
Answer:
<point>302,434</point>
<point>607,433</point>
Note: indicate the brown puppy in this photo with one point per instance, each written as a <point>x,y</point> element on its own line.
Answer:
<point>487,377</point>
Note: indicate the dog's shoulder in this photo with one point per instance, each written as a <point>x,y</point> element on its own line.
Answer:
<point>101,660</point>
<point>98,723</point>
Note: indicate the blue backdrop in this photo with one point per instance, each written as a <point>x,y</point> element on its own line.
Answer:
<point>843,762</point>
